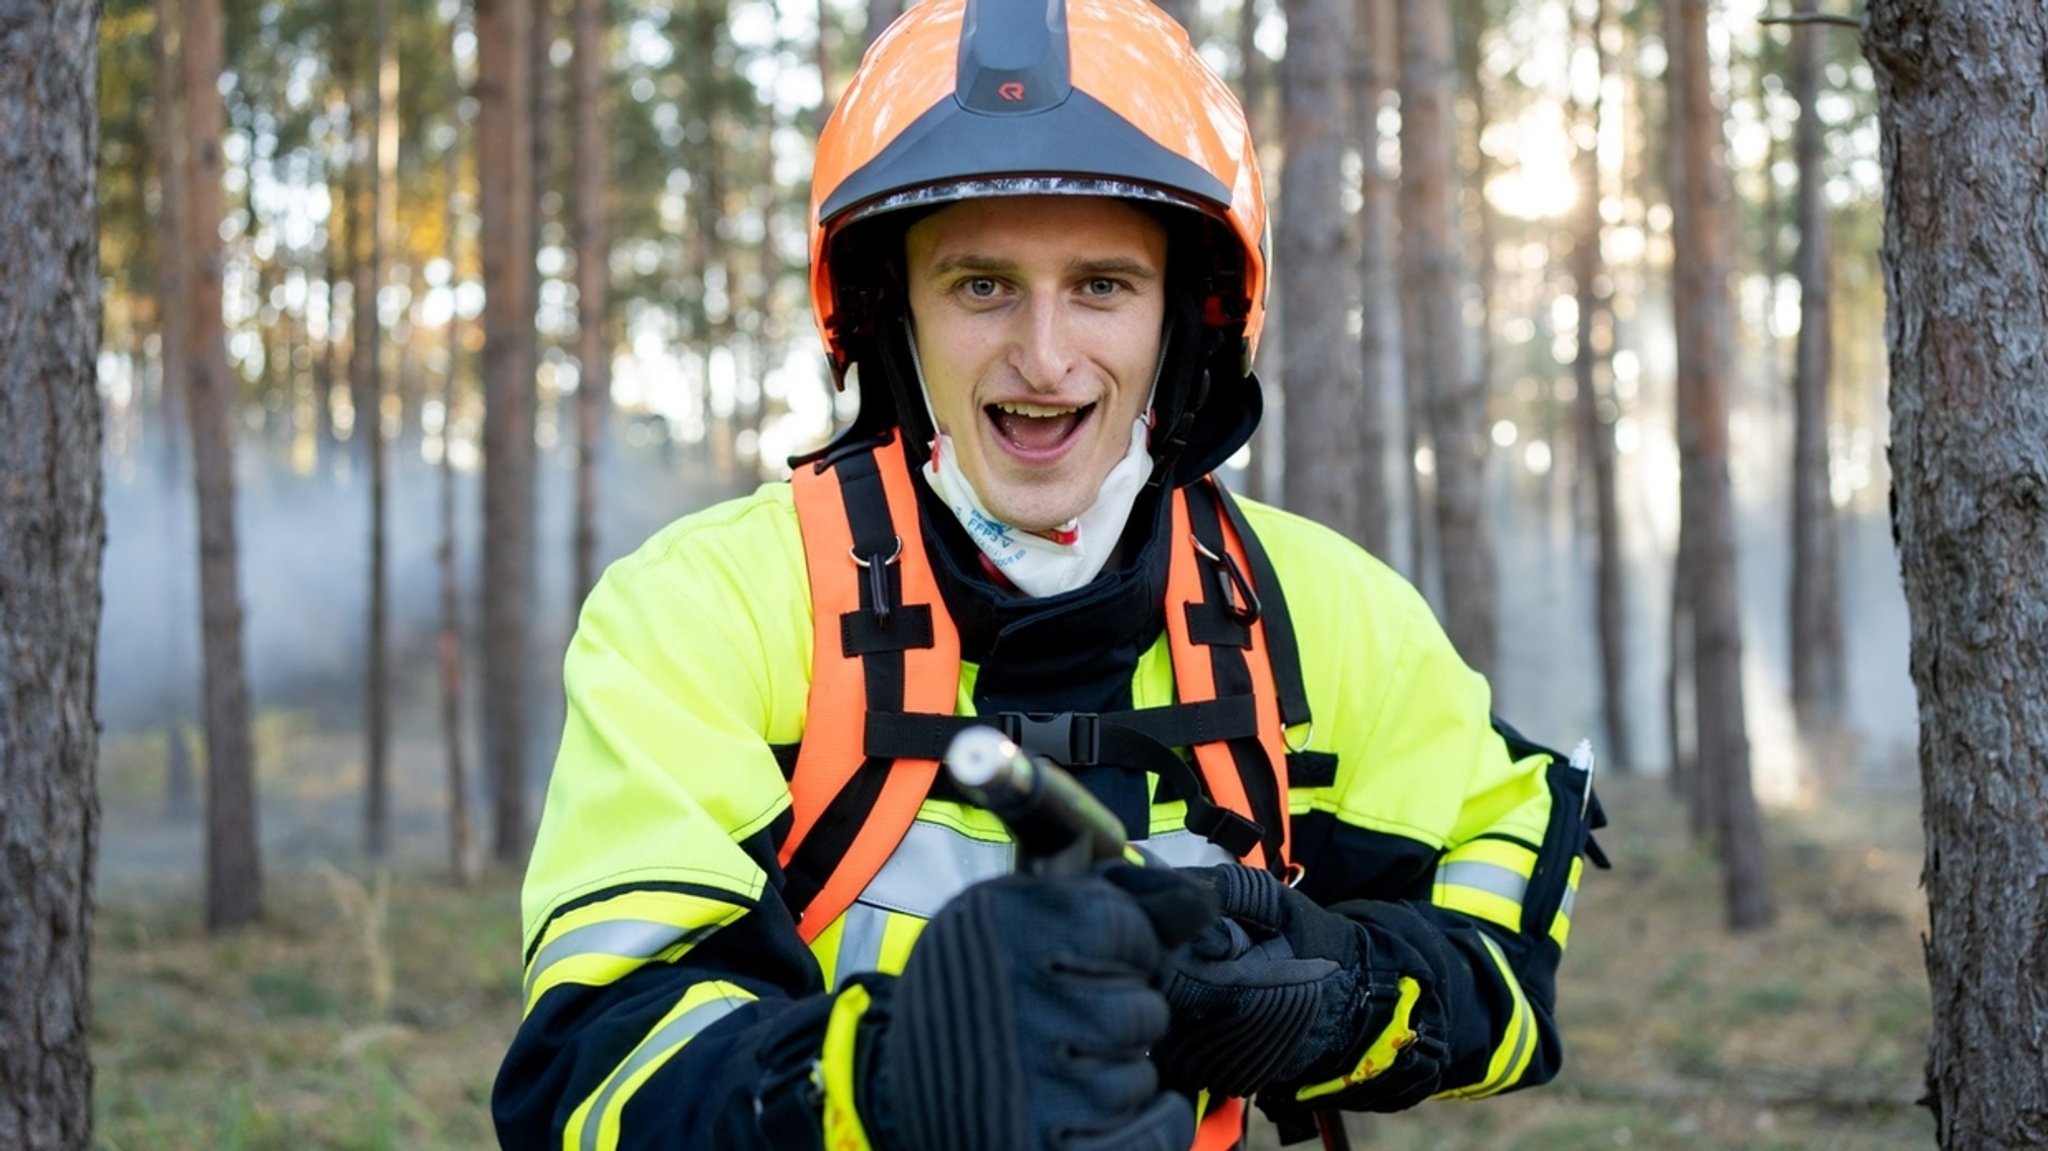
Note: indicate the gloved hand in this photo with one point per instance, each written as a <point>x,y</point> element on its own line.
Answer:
<point>1274,992</point>
<point>1022,1019</point>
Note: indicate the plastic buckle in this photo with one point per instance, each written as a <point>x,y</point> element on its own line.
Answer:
<point>1074,738</point>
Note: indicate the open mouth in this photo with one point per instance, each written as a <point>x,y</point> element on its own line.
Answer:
<point>1036,429</point>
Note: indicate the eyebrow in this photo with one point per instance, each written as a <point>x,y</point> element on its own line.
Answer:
<point>988,265</point>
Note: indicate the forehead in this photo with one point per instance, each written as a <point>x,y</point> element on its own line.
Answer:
<point>1018,227</point>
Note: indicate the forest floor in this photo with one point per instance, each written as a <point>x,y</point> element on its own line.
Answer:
<point>370,1013</point>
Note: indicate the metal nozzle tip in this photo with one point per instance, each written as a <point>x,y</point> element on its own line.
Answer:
<point>977,756</point>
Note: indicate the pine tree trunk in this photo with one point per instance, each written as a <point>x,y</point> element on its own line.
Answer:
<point>1379,341</point>
<point>1963,96</point>
<point>378,131</point>
<point>1818,660</point>
<point>234,882</point>
<point>1325,471</point>
<point>1595,409</point>
<point>54,529</point>
<point>593,266</point>
<point>449,644</point>
<point>505,200</point>
<point>180,786</point>
<point>1430,290</point>
<point>1702,241</point>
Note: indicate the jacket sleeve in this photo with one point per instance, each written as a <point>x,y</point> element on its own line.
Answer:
<point>668,1001</point>
<point>1455,845</point>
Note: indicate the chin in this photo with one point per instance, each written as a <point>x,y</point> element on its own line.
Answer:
<point>1038,516</point>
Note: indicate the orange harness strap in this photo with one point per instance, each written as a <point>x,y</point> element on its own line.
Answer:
<point>882,642</point>
<point>1222,1128</point>
<point>1205,576</point>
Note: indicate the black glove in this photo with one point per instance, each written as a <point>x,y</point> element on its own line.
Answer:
<point>1273,993</point>
<point>1023,1018</point>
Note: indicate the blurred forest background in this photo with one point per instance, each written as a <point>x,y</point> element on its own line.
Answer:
<point>503,288</point>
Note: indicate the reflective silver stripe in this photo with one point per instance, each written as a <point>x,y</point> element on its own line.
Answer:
<point>932,865</point>
<point>1491,878</point>
<point>1522,1014</point>
<point>1184,848</point>
<point>1523,1035</point>
<point>632,938</point>
<point>676,1033</point>
<point>860,943</point>
<point>1571,896</point>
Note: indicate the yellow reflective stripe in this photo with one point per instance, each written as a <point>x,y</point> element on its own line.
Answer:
<point>1381,1053</point>
<point>843,1129</point>
<point>897,939</point>
<point>1561,925</point>
<point>1518,1041</point>
<point>594,1125</point>
<point>607,940</point>
<point>825,949</point>
<point>1486,879</point>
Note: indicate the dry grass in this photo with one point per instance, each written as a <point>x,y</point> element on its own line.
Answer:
<point>273,1037</point>
<point>1680,1036</point>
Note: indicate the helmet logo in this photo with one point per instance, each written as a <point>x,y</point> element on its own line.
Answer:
<point>1012,92</point>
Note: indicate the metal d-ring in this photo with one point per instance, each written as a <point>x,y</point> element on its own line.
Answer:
<point>892,557</point>
<point>1305,740</point>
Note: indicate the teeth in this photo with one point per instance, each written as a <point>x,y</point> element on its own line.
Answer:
<point>1035,411</point>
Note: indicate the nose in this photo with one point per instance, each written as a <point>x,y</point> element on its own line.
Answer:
<point>1044,351</point>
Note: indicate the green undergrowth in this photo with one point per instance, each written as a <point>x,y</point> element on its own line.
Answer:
<point>364,1015</point>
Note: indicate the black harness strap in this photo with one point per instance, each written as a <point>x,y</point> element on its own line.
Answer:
<point>1280,649</point>
<point>1143,740</point>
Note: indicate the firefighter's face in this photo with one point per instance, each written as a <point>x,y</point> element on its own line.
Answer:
<point>1038,325</point>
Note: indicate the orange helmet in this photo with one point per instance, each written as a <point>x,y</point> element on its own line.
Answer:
<point>968,98</point>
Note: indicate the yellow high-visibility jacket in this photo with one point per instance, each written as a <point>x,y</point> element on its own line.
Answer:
<point>669,1001</point>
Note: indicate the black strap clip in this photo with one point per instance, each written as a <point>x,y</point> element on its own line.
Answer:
<point>880,602</point>
<point>1238,597</point>
<point>1073,738</point>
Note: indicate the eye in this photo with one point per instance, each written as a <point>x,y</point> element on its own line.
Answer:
<point>980,287</point>
<point>1102,286</point>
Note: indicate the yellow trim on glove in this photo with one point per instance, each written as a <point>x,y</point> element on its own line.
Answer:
<point>843,1129</point>
<point>1518,1040</point>
<point>1381,1053</point>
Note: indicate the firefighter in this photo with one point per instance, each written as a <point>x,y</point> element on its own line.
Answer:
<point>757,916</point>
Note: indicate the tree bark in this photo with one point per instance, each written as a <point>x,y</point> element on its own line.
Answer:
<point>505,201</point>
<point>1962,100</point>
<point>1595,408</point>
<point>460,856</point>
<point>174,682</point>
<point>54,529</point>
<point>1818,658</point>
<point>234,881</point>
<point>1702,241</point>
<point>1430,290</point>
<point>1379,339</point>
<point>1325,469</point>
<point>593,283</point>
<point>378,208</point>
